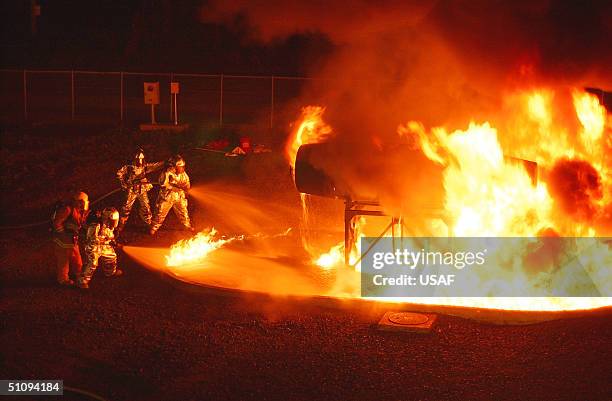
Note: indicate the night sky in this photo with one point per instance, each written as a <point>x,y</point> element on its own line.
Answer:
<point>151,35</point>
<point>293,38</point>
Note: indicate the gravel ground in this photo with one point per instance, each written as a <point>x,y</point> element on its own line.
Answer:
<point>143,337</point>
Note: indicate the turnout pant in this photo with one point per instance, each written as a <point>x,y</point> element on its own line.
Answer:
<point>105,255</point>
<point>68,260</point>
<point>144,208</point>
<point>176,201</point>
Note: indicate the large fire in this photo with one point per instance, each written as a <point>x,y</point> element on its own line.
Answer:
<point>489,194</point>
<point>485,194</point>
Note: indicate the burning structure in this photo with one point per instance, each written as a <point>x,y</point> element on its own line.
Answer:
<point>485,192</point>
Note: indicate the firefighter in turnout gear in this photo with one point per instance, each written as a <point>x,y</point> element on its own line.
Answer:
<point>133,178</point>
<point>67,220</point>
<point>99,247</point>
<point>174,183</point>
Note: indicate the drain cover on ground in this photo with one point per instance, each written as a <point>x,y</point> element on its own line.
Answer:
<point>407,318</point>
<point>407,321</point>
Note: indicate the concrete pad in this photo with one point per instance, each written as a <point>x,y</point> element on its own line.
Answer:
<point>407,321</point>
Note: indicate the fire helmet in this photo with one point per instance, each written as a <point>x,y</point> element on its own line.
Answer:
<point>139,157</point>
<point>110,217</point>
<point>179,163</point>
<point>81,200</point>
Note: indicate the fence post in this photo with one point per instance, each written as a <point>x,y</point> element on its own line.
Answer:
<point>25,95</point>
<point>72,94</point>
<point>121,96</point>
<point>221,103</point>
<point>170,91</point>
<point>272,104</point>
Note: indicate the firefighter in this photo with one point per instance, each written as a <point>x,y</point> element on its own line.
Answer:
<point>174,183</point>
<point>99,247</point>
<point>133,179</point>
<point>67,220</point>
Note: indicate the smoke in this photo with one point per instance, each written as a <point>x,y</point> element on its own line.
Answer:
<point>342,22</point>
<point>520,40</point>
<point>439,62</point>
<point>577,187</point>
<point>434,61</point>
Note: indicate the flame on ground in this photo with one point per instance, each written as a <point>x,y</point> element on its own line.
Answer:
<point>194,250</point>
<point>335,256</point>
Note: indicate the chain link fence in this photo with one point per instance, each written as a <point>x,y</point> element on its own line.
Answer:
<point>117,97</point>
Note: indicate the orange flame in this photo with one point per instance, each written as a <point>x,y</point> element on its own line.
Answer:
<point>592,116</point>
<point>486,195</point>
<point>334,258</point>
<point>489,195</point>
<point>195,249</point>
<point>310,129</point>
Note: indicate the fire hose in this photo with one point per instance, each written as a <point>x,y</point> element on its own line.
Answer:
<point>46,221</point>
<point>211,150</point>
<point>114,191</point>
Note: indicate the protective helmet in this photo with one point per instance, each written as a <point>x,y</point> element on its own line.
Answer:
<point>110,217</point>
<point>179,163</point>
<point>81,200</point>
<point>139,157</point>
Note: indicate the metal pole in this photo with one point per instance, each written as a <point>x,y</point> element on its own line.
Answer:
<point>175,111</point>
<point>272,103</point>
<point>121,96</point>
<point>348,233</point>
<point>376,240</point>
<point>221,103</point>
<point>72,94</point>
<point>170,85</point>
<point>25,95</point>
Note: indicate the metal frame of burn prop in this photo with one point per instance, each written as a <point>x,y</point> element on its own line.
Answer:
<point>353,209</point>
